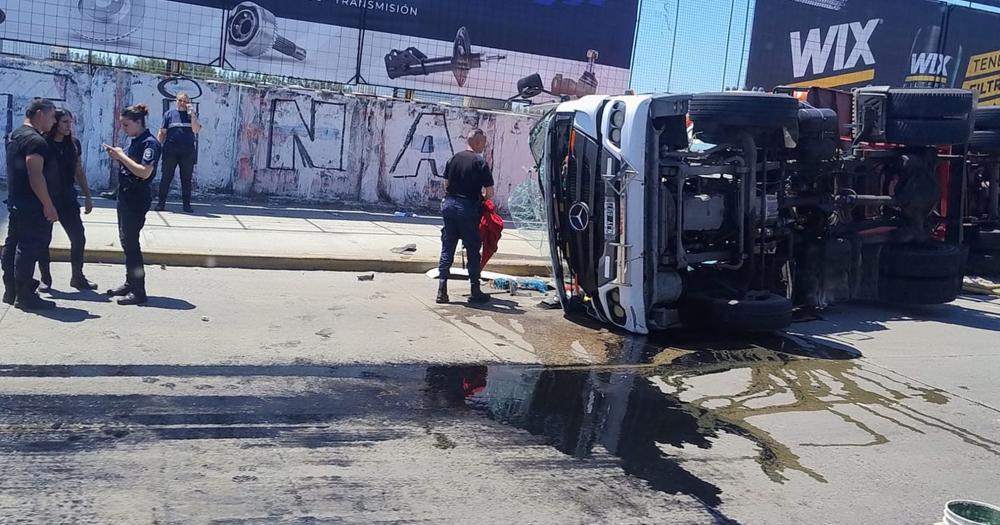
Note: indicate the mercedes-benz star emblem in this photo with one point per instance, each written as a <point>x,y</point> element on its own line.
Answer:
<point>579,216</point>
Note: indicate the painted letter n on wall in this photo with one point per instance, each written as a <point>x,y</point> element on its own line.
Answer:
<point>295,142</point>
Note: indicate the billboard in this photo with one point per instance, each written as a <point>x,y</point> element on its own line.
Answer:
<point>850,43</point>
<point>150,28</point>
<point>838,43</point>
<point>476,48</point>
<point>974,42</point>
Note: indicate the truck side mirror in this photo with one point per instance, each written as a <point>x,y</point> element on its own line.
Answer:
<point>530,86</point>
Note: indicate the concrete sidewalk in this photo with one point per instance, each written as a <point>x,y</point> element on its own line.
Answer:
<point>276,238</point>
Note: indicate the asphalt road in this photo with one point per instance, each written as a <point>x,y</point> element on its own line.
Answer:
<point>286,397</point>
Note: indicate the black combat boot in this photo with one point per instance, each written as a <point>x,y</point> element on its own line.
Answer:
<point>10,289</point>
<point>133,298</point>
<point>442,297</point>
<point>121,291</point>
<point>28,299</point>
<point>477,296</point>
<point>81,283</point>
<point>45,276</point>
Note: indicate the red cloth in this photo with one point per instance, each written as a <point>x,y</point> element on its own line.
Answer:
<point>490,230</point>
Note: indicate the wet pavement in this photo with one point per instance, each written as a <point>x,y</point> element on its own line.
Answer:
<point>681,428</point>
<point>242,397</point>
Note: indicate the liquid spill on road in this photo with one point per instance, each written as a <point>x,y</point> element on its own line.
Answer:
<point>645,403</point>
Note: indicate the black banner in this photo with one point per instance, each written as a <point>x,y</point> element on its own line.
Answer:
<point>899,43</point>
<point>973,39</point>
<point>552,28</point>
<point>844,43</point>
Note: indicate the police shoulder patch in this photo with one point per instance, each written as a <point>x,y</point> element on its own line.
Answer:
<point>147,155</point>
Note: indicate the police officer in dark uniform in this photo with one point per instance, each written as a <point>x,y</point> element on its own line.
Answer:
<point>67,148</point>
<point>180,127</point>
<point>137,169</point>
<point>468,180</point>
<point>30,165</point>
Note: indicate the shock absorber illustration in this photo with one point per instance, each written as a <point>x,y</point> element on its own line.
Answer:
<point>413,62</point>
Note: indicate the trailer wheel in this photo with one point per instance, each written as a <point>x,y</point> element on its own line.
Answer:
<point>744,109</point>
<point>985,140</point>
<point>756,312</point>
<point>984,264</point>
<point>911,290</point>
<point>988,118</point>
<point>921,260</point>
<point>922,132</point>
<point>929,103</point>
<point>987,241</point>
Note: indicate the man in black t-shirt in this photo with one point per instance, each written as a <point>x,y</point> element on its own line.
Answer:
<point>468,180</point>
<point>30,161</point>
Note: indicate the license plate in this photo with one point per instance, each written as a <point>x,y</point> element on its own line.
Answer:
<point>610,224</point>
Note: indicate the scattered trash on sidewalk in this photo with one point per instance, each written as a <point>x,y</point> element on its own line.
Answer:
<point>366,277</point>
<point>404,214</point>
<point>409,248</point>
<point>980,286</point>
<point>461,274</point>
<point>522,283</point>
<point>204,318</point>
<point>551,302</point>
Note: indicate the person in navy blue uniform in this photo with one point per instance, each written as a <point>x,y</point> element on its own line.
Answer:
<point>30,165</point>
<point>468,180</point>
<point>67,149</point>
<point>178,136</point>
<point>137,169</point>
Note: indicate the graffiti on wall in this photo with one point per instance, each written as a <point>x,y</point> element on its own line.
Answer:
<point>280,142</point>
<point>313,140</point>
<point>18,85</point>
<point>426,149</point>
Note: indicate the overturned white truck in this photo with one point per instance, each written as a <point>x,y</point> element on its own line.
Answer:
<point>729,210</point>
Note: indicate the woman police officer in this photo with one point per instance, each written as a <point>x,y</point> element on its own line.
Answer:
<point>137,169</point>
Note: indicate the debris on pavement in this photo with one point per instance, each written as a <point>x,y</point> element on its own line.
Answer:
<point>980,286</point>
<point>461,274</point>
<point>409,248</point>
<point>404,214</point>
<point>204,318</point>
<point>550,302</point>
<point>366,277</point>
<point>524,283</point>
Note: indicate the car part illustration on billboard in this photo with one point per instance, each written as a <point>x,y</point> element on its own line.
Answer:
<point>162,29</point>
<point>587,85</point>
<point>413,62</point>
<point>253,31</point>
<point>108,21</point>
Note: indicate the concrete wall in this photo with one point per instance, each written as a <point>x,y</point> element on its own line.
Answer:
<point>278,142</point>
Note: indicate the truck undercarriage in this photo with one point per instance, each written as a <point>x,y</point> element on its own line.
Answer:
<point>729,210</point>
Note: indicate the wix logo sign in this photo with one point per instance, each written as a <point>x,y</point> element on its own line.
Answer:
<point>817,48</point>
<point>929,64</point>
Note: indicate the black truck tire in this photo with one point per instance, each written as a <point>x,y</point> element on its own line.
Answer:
<point>987,241</point>
<point>929,103</point>
<point>988,118</point>
<point>984,264</point>
<point>907,290</point>
<point>757,312</point>
<point>985,140</point>
<point>921,260</point>
<point>744,109</point>
<point>922,132</point>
